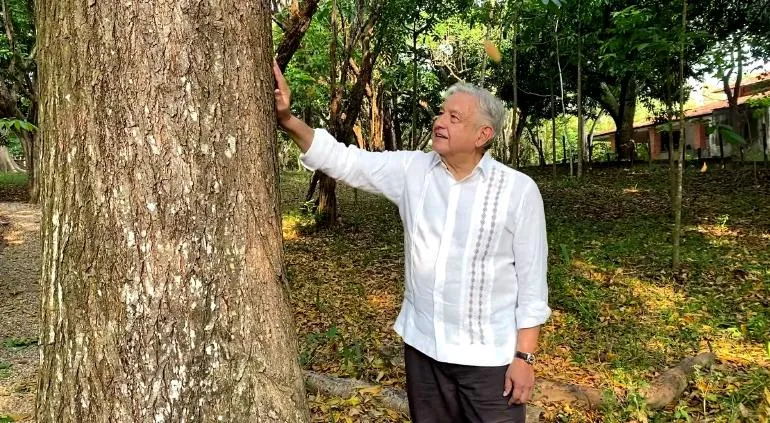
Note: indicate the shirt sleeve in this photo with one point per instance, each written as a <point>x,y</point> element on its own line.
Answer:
<point>377,172</point>
<point>530,247</point>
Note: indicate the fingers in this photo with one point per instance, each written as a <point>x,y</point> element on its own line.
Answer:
<point>279,78</point>
<point>522,393</point>
<point>508,386</point>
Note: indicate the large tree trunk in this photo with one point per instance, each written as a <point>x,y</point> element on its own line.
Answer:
<point>622,109</point>
<point>7,164</point>
<point>162,254</point>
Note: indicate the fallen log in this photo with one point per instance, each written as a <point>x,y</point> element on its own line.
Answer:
<point>394,399</point>
<point>554,391</point>
<point>662,391</point>
<point>670,384</point>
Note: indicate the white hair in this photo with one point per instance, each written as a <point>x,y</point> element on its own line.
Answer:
<point>492,108</point>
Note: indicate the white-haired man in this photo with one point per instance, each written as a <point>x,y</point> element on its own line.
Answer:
<point>475,250</point>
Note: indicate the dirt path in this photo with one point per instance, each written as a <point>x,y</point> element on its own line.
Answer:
<point>19,308</point>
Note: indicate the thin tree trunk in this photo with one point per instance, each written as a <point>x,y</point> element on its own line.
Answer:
<point>398,131</point>
<point>487,36</point>
<point>514,146</point>
<point>721,149</point>
<point>553,128</point>
<point>590,137</point>
<point>327,201</point>
<point>388,130</point>
<point>581,123</point>
<point>299,22</point>
<point>377,119</point>
<point>327,195</point>
<point>682,142</point>
<point>414,100</point>
<point>162,295</point>
<point>764,143</point>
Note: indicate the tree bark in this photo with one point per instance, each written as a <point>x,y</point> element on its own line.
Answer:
<point>299,22</point>
<point>682,149</point>
<point>622,110</point>
<point>377,119</point>
<point>327,201</point>
<point>162,253</point>
<point>538,147</point>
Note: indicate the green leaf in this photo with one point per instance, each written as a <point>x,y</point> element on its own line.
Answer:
<point>731,136</point>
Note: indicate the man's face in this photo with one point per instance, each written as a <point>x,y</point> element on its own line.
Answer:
<point>458,128</point>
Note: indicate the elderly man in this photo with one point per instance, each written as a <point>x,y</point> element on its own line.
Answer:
<point>476,252</point>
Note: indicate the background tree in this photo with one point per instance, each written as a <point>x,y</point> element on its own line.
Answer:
<point>18,97</point>
<point>162,254</point>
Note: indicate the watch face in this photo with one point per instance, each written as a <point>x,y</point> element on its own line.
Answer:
<point>528,358</point>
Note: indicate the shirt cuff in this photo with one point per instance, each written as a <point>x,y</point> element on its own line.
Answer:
<point>319,150</point>
<point>533,315</point>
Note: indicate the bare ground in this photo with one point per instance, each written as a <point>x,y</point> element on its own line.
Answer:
<point>19,308</point>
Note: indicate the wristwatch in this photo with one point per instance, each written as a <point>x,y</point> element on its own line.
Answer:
<point>528,358</point>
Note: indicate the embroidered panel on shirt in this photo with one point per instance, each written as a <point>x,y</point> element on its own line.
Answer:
<point>480,251</point>
<point>493,225</point>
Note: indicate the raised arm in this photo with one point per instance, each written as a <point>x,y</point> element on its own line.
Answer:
<point>378,172</point>
<point>299,131</point>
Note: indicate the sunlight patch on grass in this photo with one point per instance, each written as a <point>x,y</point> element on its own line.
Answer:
<point>731,350</point>
<point>13,238</point>
<point>717,230</point>
<point>631,190</point>
<point>294,226</point>
<point>381,301</point>
<point>655,298</point>
<point>588,270</point>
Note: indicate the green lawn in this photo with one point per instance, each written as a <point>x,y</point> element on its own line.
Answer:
<point>620,315</point>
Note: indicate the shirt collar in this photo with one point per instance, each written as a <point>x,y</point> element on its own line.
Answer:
<point>484,165</point>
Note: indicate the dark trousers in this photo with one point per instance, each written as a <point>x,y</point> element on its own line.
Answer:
<point>445,393</point>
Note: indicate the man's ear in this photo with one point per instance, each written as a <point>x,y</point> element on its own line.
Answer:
<point>487,133</point>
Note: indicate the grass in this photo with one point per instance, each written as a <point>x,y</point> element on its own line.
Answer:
<point>5,370</point>
<point>13,186</point>
<point>620,315</point>
<point>19,343</point>
<point>13,179</point>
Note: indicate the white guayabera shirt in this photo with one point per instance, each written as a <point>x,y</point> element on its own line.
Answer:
<point>476,249</point>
